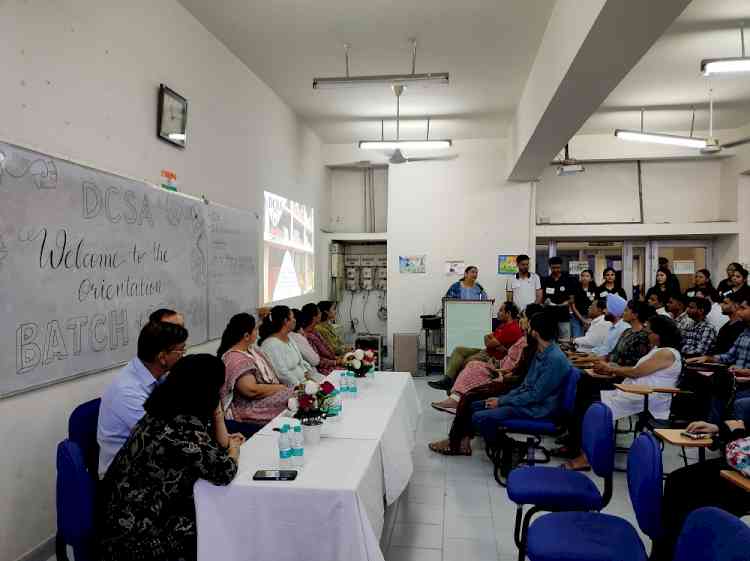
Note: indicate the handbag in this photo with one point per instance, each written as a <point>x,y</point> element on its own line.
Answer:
<point>738,455</point>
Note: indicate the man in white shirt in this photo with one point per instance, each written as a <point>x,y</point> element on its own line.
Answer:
<point>598,329</point>
<point>525,287</point>
<point>715,317</point>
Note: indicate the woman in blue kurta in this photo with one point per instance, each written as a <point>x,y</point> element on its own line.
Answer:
<point>467,288</point>
<point>541,393</point>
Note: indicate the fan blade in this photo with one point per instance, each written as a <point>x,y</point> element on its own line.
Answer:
<point>435,159</point>
<point>739,142</point>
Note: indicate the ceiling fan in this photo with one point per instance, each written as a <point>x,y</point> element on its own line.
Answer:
<point>712,144</point>
<point>397,156</point>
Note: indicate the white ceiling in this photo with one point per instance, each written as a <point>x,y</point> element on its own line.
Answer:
<point>488,46</point>
<point>667,80</point>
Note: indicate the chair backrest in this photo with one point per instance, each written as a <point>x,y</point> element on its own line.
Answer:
<point>82,426</point>
<point>569,392</point>
<point>645,484</point>
<point>75,500</point>
<point>598,438</point>
<point>710,534</point>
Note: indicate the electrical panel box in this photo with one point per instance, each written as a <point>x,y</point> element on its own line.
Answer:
<point>381,260</point>
<point>381,273</point>
<point>366,284</point>
<point>352,273</point>
<point>352,285</point>
<point>368,261</point>
<point>366,272</point>
<point>381,284</point>
<point>334,247</point>
<point>353,260</point>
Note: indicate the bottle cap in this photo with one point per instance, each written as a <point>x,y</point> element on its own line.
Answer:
<point>297,428</point>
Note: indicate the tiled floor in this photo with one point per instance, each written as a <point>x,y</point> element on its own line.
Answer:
<point>454,510</point>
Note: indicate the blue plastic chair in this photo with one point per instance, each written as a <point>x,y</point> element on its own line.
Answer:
<point>711,534</point>
<point>75,501</point>
<point>554,489</point>
<point>82,426</point>
<point>536,428</point>
<point>595,536</point>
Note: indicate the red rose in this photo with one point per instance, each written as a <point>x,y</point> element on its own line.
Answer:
<point>326,388</point>
<point>306,401</point>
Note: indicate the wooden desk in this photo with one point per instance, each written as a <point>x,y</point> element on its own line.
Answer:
<point>635,389</point>
<point>674,437</point>
<point>737,478</point>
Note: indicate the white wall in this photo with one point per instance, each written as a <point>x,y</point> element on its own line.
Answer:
<point>453,210</point>
<point>80,79</point>
<point>347,201</point>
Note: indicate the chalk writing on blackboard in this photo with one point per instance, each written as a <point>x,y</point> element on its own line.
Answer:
<point>43,171</point>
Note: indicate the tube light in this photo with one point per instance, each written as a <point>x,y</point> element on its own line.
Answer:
<point>661,138</point>
<point>725,65</point>
<point>394,144</point>
<point>429,79</point>
<point>177,136</point>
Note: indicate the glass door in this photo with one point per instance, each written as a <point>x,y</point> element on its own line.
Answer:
<point>683,258</point>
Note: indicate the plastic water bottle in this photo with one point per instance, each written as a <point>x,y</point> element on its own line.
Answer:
<point>298,447</point>
<point>352,385</point>
<point>285,448</point>
<point>334,410</point>
<point>344,384</point>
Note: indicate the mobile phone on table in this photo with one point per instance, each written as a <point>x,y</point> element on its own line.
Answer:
<point>695,435</point>
<point>275,475</point>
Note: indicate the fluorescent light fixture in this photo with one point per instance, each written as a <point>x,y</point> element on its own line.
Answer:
<point>177,136</point>
<point>713,66</point>
<point>660,138</point>
<point>404,144</point>
<point>429,79</point>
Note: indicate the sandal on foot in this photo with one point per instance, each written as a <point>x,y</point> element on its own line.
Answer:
<point>446,450</point>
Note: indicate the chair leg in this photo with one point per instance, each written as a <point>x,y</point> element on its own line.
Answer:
<point>517,528</point>
<point>61,550</point>
<point>683,453</point>
<point>530,450</point>
<point>525,533</point>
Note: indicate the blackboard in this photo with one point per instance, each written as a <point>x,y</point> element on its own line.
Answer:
<point>86,256</point>
<point>232,265</point>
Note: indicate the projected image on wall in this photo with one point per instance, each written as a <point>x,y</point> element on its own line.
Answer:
<point>288,248</point>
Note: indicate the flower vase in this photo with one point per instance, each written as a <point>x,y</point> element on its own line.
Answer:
<point>311,434</point>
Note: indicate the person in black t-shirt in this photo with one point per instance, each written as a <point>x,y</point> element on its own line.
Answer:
<point>729,332</point>
<point>610,285</point>
<point>558,291</point>
<point>586,293</point>
<point>726,284</point>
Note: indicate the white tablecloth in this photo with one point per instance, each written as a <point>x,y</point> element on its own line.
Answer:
<point>334,510</point>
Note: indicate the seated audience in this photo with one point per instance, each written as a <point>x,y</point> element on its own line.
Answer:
<point>579,310</point>
<point>657,301</point>
<point>634,342</point>
<point>725,285</point>
<point>497,343</point>
<point>467,288</point>
<point>327,328</point>
<point>739,282</point>
<point>327,359</point>
<point>477,373</point>
<point>281,351</point>
<point>298,336</point>
<point>252,392</point>
<point>715,317</point>
<point>146,508</point>
<point>678,311</point>
<point>702,282</point>
<point>673,283</point>
<point>160,346</point>
<point>659,368</point>
<point>615,310</point>
<point>598,327</point>
<point>539,395</point>
<point>167,315</point>
<point>732,329</point>
<point>701,484</point>
<point>699,339</point>
<point>559,290</point>
<point>664,284</point>
<point>610,285</point>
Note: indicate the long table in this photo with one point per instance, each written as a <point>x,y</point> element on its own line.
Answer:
<point>334,510</point>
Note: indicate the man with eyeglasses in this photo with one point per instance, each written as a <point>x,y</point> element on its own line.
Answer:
<point>160,345</point>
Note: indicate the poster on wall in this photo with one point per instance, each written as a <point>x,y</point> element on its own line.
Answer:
<point>577,267</point>
<point>506,265</point>
<point>683,267</point>
<point>412,264</point>
<point>454,268</point>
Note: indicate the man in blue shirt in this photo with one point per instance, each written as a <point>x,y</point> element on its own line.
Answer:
<point>160,346</point>
<point>541,393</point>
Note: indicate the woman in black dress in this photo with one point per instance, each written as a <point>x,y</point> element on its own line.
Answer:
<point>726,284</point>
<point>146,506</point>
<point>610,285</point>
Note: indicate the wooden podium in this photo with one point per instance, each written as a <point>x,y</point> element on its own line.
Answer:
<point>466,322</point>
